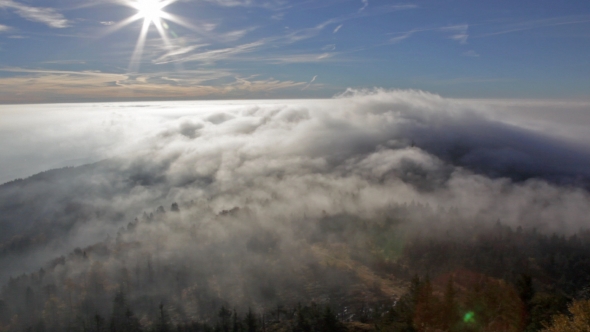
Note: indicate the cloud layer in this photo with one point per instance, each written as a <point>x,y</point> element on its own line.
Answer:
<point>356,154</point>
<point>47,16</point>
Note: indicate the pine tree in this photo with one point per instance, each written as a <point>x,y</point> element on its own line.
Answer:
<point>123,319</point>
<point>225,319</point>
<point>163,320</point>
<point>250,321</point>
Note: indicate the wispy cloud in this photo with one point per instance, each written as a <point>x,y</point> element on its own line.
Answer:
<point>278,16</point>
<point>233,3</point>
<point>213,56</point>
<point>261,85</point>
<point>178,52</point>
<point>471,53</point>
<point>4,28</point>
<point>329,47</point>
<point>462,80</point>
<point>32,86</point>
<point>47,16</point>
<point>307,33</point>
<point>400,7</point>
<point>458,32</point>
<point>310,82</point>
<point>66,62</point>
<point>238,52</point>
<point>234,35</point>
<point>401,36</point>
<point>197,53</point>
<point>299,58</point>
<point>365,5</point>
<point>537,24</point>
<point>269,4</point>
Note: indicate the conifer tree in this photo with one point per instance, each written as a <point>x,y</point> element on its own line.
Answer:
<point>250,321</point>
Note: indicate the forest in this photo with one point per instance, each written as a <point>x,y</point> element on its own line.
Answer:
<point>375,211</point>
<point>163,272</point>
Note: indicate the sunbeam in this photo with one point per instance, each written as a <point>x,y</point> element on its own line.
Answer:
<point>152,12</point>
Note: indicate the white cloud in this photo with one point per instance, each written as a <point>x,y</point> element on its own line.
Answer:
<point>329,47</point>
<point>310,82</point>
<point>47,16</point>
<point>536,24</point>
<point>471,53</point>
<point>269,4</point>
<point>234,35</point>
<point>213,56</point>
<point>298,58</point>
<point>288,162</point>
<point>401,36</point>
<point>458,32</point>
<point>365,5</point>
<point>358,152</point>
<point>338,28</point>
<point>4,28</point>
<point>278,16</point>
<point>34,86</point>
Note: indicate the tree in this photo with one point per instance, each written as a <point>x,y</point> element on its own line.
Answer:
<point>449,311</point>
<point>236,325</point>
<point>53,314</point>
<point>163,324</point>
<point>174,207</point>
<point>330,322</point>
<point>123,319</point>
<point>225,319</point>
<point>425,310</point>
<point>99,322</point>
<point>577,321</point>
<point>250,321</point>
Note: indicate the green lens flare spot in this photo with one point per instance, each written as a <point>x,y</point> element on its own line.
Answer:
<point>469,317</point>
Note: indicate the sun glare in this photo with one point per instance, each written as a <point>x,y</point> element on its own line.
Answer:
<point>150,10</point>
<point>152,13</point>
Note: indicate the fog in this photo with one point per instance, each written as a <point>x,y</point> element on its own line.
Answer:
<point>254,175</point>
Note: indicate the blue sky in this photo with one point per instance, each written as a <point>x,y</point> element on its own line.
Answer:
<point>79,50</point>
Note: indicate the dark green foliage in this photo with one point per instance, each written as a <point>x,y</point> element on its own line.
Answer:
<point>4,313</point>
<point>236,323</point>
<point>225,321</point>
<point>316,318</point>
<point>123,319</point>
<point>99,323</point>
<point>542,307</point>
<point>163,323</point>
<point>250,321</point>
<point>174,207</point>
<point>329,322</point>
<point>545,273</point>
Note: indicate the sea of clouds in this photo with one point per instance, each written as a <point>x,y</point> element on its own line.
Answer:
<point>355,154</point>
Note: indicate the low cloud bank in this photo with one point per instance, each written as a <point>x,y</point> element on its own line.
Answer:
<point>358,155</point>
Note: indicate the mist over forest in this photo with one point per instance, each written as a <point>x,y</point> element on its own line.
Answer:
<point>374,210</point>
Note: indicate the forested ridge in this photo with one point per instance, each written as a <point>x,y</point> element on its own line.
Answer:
<point>189,269</point>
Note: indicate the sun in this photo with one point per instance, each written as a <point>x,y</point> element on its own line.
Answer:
<point>152,13</point>
<point>150,10</point>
